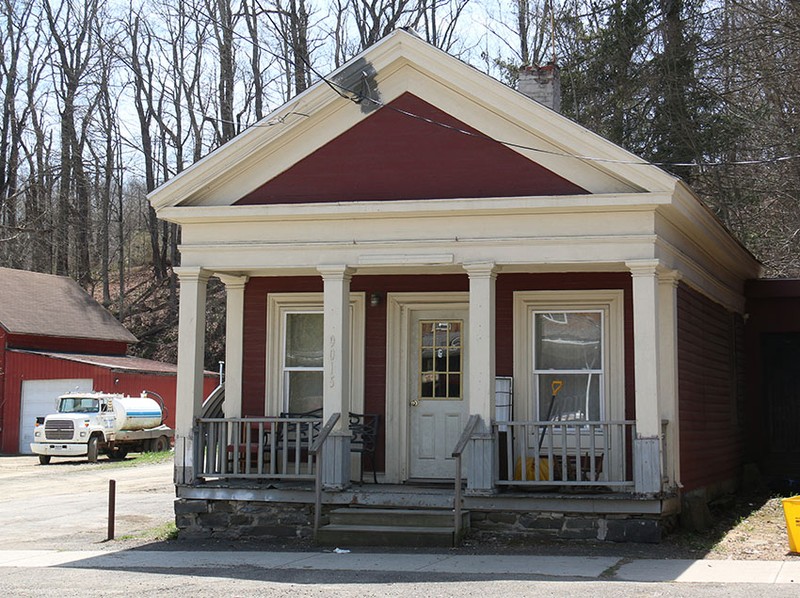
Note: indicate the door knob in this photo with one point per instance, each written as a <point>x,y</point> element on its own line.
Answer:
<point>414,403</point>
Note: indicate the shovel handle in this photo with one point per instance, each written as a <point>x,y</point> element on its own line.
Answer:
<point>556,386</point>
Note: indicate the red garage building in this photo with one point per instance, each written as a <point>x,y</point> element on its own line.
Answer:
<point>55,338</point>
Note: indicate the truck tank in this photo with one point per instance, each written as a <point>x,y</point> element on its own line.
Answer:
<point>137,413</point>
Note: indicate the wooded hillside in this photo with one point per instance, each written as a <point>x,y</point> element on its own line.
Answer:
<point>102,102</point>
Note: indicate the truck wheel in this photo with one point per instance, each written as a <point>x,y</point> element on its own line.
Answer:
<point>160,444</point>
<point>44,459</point>
<point>91,450</point>
<point>118,454</point>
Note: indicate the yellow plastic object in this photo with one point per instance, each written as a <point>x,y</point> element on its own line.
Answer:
<point>791,510</point>
<point>530,464</point>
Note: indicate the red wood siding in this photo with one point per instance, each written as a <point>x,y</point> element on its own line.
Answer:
<point>710,407</point>
<point>773,307</point>
<point>70,345</point>
<point>375,367</point>
<point>390,155</point>
<point>26,366</point>
<point>3,402</point>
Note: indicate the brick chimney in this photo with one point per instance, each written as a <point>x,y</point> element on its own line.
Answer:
<point>541,83</point>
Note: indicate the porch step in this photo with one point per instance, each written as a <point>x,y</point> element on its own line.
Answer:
<point>359,526</point>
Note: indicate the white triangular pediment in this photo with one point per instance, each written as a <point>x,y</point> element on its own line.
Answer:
<point>401,64</point>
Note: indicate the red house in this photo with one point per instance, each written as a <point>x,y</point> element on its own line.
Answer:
<point>55,338</point>
<point>414,240</point>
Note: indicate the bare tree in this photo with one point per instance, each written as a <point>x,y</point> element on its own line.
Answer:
<point>223,23</point>
<point>72,33</point>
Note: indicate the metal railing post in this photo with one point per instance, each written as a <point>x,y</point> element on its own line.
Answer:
<point>316,450</point>
<point>469,430</point>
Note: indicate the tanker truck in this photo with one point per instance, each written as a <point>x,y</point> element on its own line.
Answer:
<point>93,423</point>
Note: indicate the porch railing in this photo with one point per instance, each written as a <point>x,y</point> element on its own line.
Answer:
<point>564,453</point>
<point>458,451</point>
<point>256,447</point>
<point>316,450</point>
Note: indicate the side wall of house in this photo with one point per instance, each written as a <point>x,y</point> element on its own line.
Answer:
<point>255,335</point>
<point>773,385</point>
<point>711,390</point>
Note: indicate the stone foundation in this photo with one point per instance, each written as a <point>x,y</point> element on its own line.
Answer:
<point>230,519</point>
<point>611,528</point>
<point>205,519</point>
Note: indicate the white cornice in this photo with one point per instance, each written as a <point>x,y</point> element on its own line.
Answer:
<point>409,208</point>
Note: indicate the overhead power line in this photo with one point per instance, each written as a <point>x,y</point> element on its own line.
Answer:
<point>358,97</point>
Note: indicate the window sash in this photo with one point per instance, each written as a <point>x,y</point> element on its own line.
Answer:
<point>298,404</point>
<point>576,406</point>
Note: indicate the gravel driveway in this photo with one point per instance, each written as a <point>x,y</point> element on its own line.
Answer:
<point>65,505</point>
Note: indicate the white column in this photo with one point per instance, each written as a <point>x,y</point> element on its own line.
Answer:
<point>668,380</point>
<point>191,350</point>
<point>647,444</point>
<point>336,373</point>
<point>481,373</point>
<point>234,342</point>
<point>481,339</point>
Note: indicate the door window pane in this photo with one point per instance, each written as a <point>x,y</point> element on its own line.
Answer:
<point>440,359</point>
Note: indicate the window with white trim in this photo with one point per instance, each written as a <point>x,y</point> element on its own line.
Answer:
<point>568,365</point>
<point>575,337</point>
<point>295,344</point>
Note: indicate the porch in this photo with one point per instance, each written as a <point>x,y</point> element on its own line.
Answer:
<point>577,482</point>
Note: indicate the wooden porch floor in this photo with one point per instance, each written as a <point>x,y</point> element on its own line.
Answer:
<point>432,496</point>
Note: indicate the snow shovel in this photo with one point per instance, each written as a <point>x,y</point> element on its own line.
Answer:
<point>555,387</point>
<point>544,462</point>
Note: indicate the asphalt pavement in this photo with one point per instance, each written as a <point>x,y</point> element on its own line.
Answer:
<point>496,566</point>
<point>52,527</point>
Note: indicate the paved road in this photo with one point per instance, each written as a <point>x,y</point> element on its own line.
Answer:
<point>53,526</point>
<point>300,574</point>
<point>65,505</point>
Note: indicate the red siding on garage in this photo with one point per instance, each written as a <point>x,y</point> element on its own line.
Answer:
<point>710,389</point>
<point>28,366</point>
<point>255,334</point>
<point>391,155</point>
<point>72,345</point>
<point>3,399</point>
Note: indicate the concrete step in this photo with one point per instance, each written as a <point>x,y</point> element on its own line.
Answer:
<point>397,517</point>
<point>363,526</point>
<point>384,535</point>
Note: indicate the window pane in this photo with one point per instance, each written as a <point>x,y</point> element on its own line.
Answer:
<point>568,341</point>
<point>440,359</point>
<point>304,391</point>
<point>577,399</point>
<point>304,333</point>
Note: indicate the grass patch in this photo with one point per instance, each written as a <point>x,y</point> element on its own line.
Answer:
<point>136,459</point>
<point>162,533</point>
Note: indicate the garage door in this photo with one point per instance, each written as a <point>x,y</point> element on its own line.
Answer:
<point>39,399</point>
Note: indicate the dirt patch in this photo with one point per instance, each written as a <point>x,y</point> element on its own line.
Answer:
<point>748,528</point>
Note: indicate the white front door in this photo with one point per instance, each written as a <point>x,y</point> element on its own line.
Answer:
<point>436,390</point>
